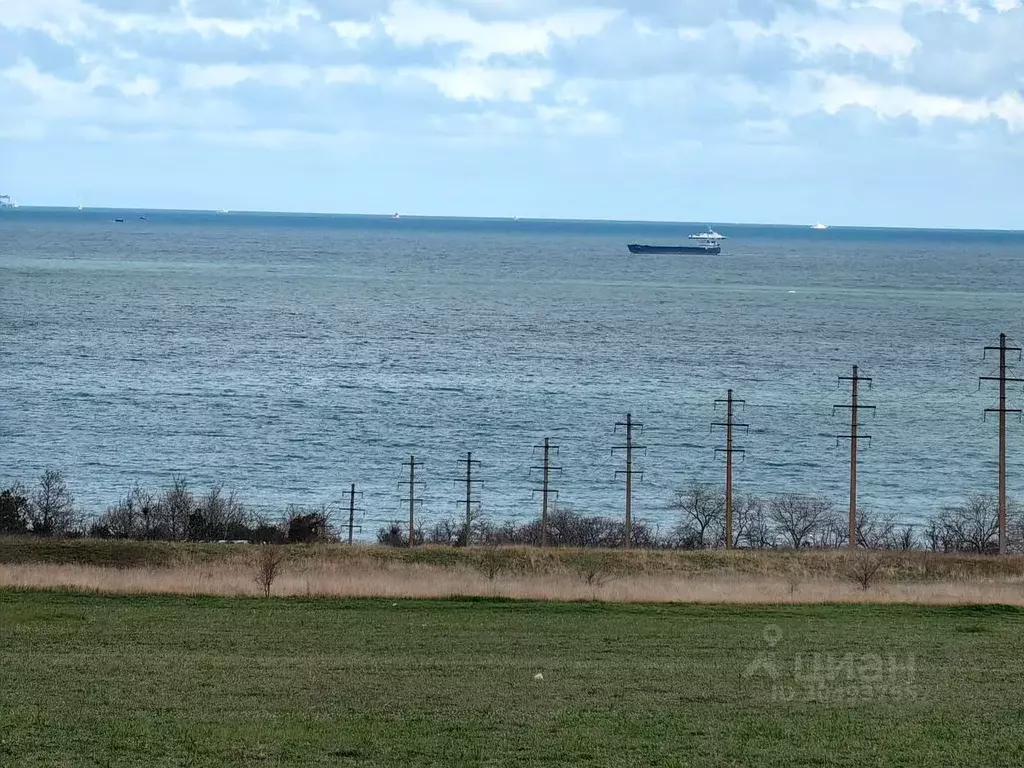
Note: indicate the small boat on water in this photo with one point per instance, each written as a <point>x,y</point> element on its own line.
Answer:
<point>819,225</point>
<point>119,220</point>
<point>709,242</point>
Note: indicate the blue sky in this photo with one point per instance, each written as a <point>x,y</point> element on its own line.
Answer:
<point>876,112</point>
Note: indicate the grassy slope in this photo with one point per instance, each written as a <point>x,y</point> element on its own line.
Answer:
<point>899,566</point>
<point>115,681</point>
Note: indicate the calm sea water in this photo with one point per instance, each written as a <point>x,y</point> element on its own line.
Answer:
<point>287,356</point>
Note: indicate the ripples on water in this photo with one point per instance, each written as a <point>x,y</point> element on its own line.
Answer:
<point>288,356</point>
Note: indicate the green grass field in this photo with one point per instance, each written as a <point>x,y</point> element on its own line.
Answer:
<point>91,680</point>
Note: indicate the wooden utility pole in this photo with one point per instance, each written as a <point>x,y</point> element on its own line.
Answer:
<point>629,425</point>
<point>729,424</point>
<point>470,462</point>
<point>352,493</point>
<point>854,437</point>
<point>411,483</point>
<point>1002,410</point>
<point>546,490</point>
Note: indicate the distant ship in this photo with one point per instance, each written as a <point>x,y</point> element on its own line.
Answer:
<point>396,216</point>
<point>709,242</point>
<point>7,202</point>
<point>819,225</point>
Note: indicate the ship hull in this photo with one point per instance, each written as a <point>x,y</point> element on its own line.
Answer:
<point>636,248</point>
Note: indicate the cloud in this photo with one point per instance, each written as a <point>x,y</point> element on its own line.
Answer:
<point>222,76</point>
<point>485,84</point>
<point>411,23</point>
<point>657,73</point>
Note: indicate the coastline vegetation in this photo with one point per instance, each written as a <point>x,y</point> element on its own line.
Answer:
<point>785,522</point>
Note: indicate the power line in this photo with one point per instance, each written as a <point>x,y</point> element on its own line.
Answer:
<point>1002,410</point>
<point>729,424</point>
<point>411,483</point>
<point>545,489</point>
<point>855,407</point>
<point>629,447</point>
<point>351,493</point>
<point>470,462</point>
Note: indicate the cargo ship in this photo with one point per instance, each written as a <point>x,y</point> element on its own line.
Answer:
<point>709,242</point>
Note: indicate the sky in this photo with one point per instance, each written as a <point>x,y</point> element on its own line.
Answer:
<point>860,112</point>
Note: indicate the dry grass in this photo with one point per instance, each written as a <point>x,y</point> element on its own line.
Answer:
<point>405,580</point>
<point>709,576</point>
<point>806,564</point>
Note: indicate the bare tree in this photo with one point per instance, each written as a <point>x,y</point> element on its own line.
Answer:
<point>491,562</point>
<point>447,531</point>
<point>53,507</point>
<point>215,515</point>
<point>169,518</point>
<point>873,530</point>
<point>799,520</point>
<point>751,526</point>
<point>969,527</point>
<point>702,512</point>
<point>834,531</point>
<point>594,574</point>
<point>863,568</point>
<point>901,537</point>
<point>269,564</point>
<point>125,520</point>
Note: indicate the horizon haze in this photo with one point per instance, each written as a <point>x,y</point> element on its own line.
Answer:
<point>848,112</point>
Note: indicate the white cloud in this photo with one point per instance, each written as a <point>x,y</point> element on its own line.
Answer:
<point>411,23</point>
<point>351,74</point>
<point>195,77</point>
<point>867,31</point>
<point>485,84</point>
<point>63,20</point>
<point>738,70</point>
<point>578,122</point>
<point>351,30</point>
<point>140,86</point>
<point>837,92</point>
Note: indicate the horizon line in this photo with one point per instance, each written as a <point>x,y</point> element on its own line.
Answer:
<point>324,214</point>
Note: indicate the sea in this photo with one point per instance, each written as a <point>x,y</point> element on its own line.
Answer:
<point>288,356</point>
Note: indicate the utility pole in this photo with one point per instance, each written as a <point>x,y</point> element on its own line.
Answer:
<point>546,490</point>
<point>352,493</point>
<point>1002,410</point>
<point>855,407</point>
<point>629,425</point>
<point>470,462</point>
<point>729,450</point>
<point>411,483</point>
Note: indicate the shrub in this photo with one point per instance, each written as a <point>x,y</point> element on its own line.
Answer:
<point>307,528</point>
<point>14,511</point>
<point>863,568</point>
<point>269,564</point>
<point>394,535</point>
